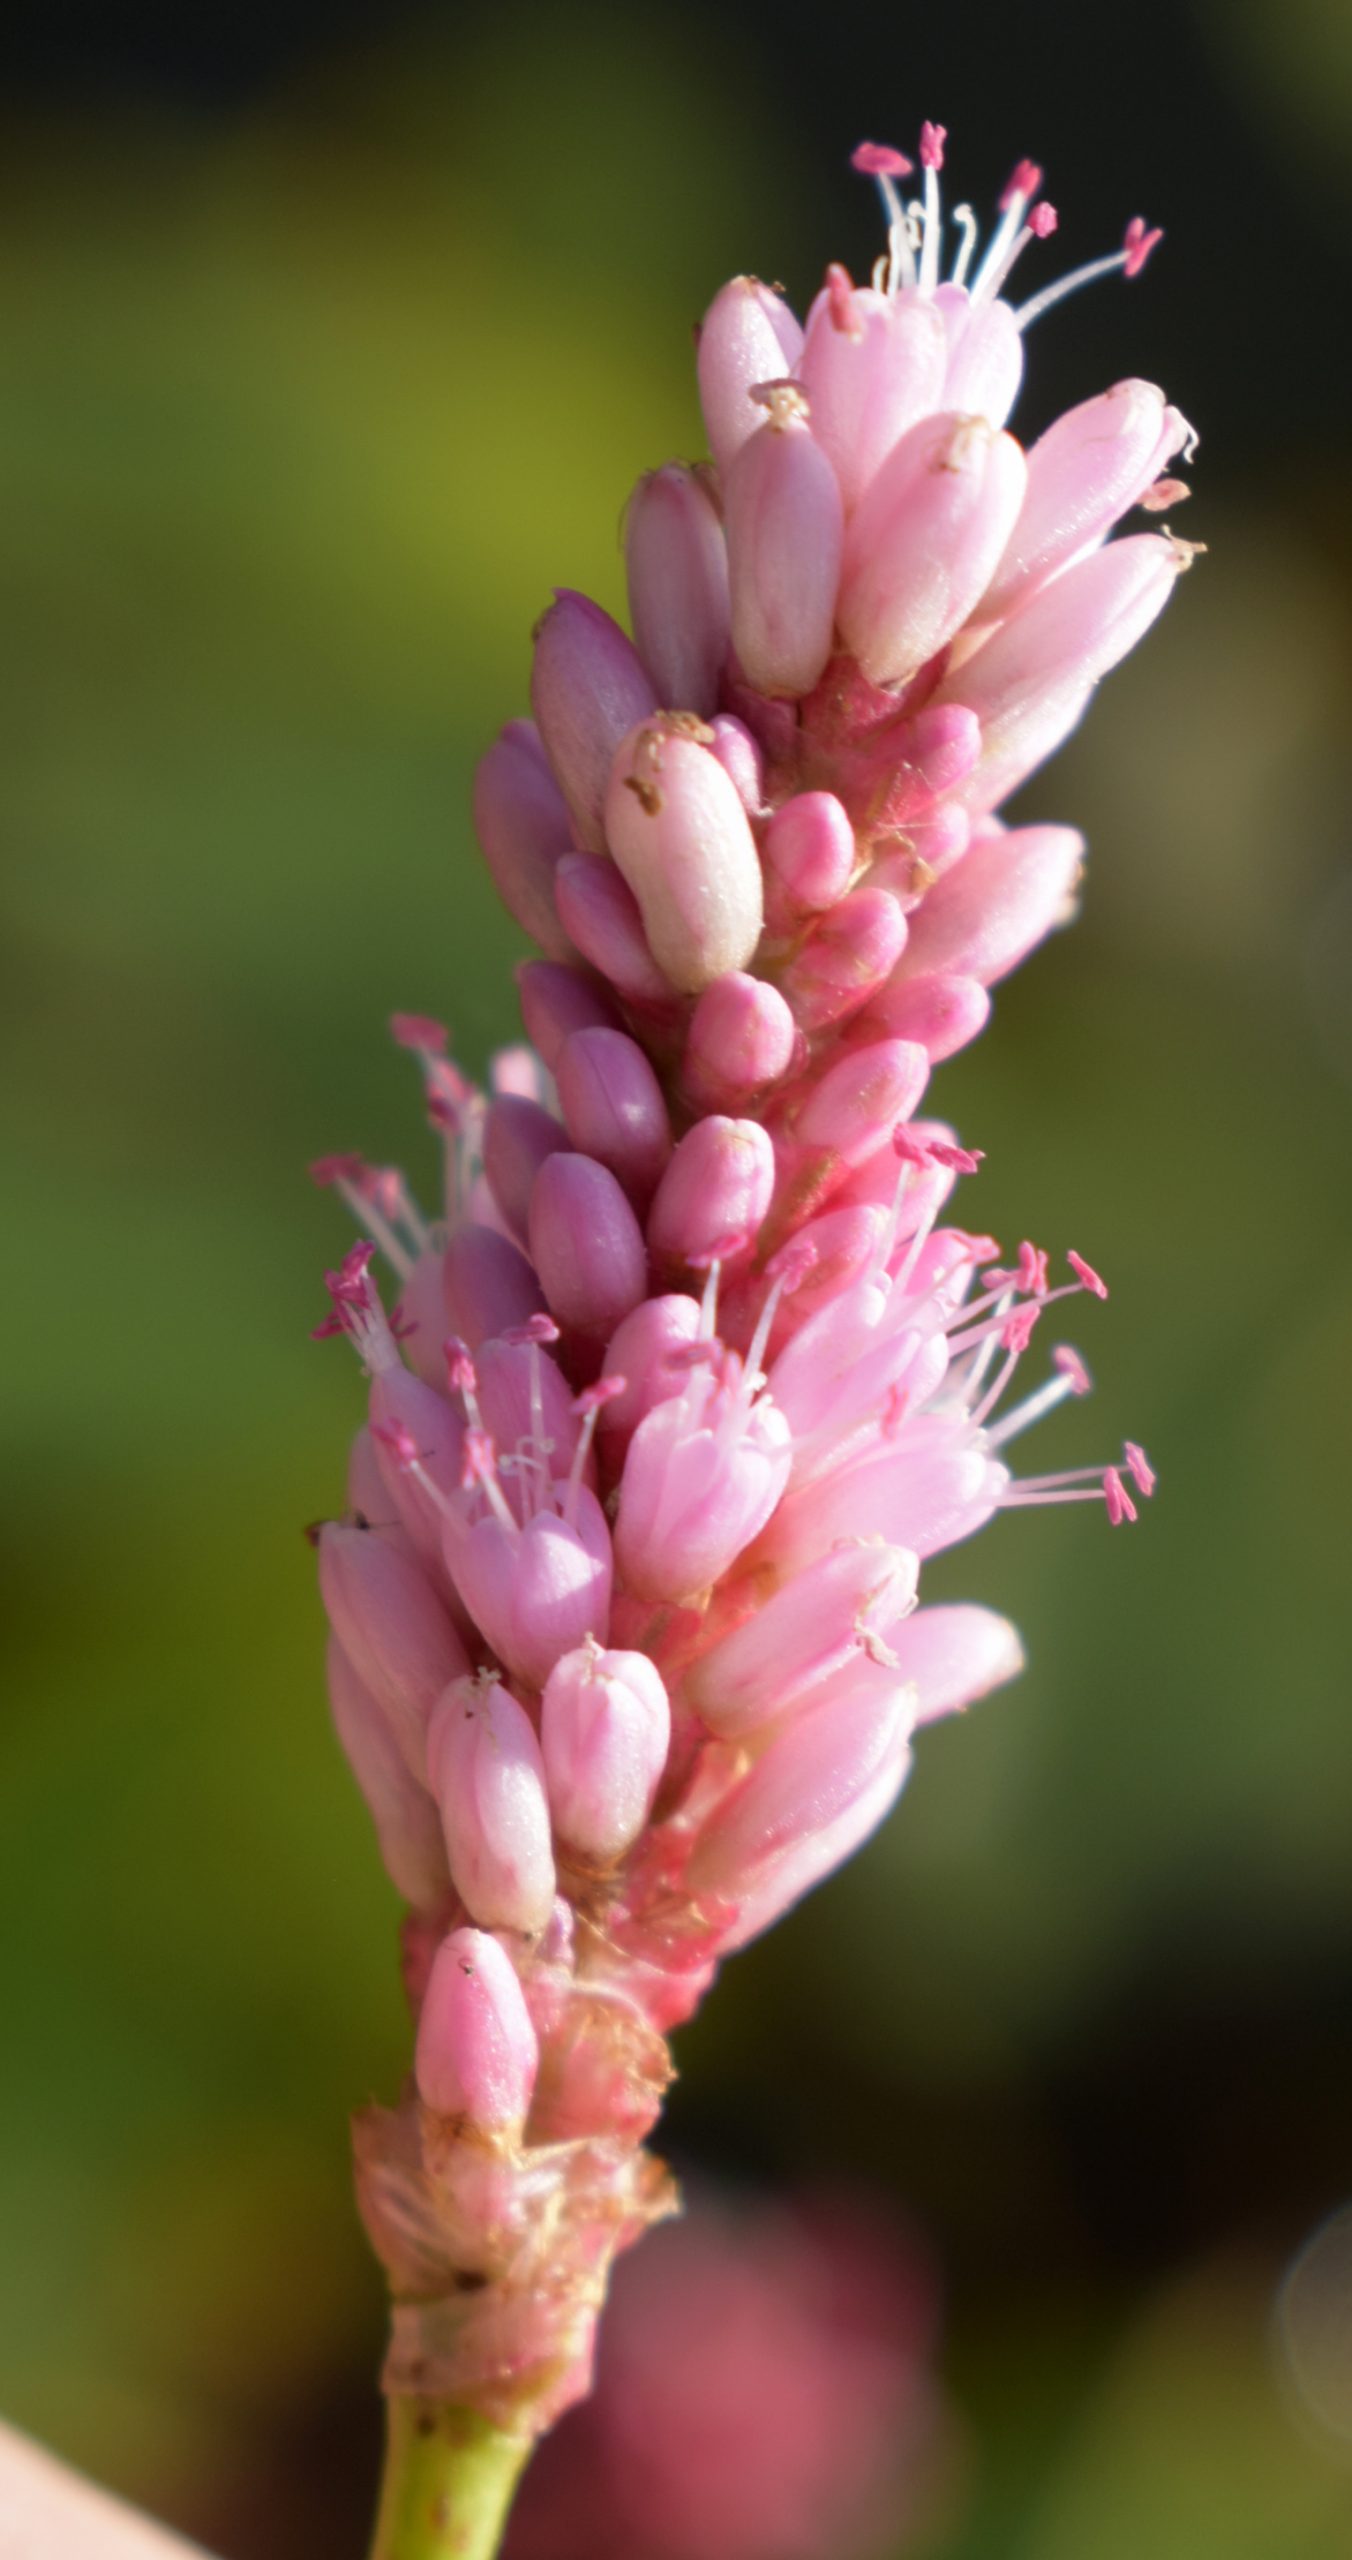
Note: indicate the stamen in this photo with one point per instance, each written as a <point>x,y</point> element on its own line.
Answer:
<point>1130,259</point>
<point>1001,251</point>
<point>1119,1501</point>
<point>1139,1468</point>
<point>1086,1275</point>
<point>588,1405</point>
<point>1072,1369</point>
<point>480,1473</point>
<point>787,1272</point>
<point>932,140</point>
<point>1034,1408</point>
<point>356,1183</point>
<point>967,223</point>
<point>878,160</point>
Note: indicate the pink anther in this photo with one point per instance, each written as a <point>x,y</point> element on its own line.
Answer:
<point>1072,1367</point>
<point>956,1159</point>
<point>382,1187</point>
<point>1138,243</point>
<point>879,160</point>
<point>349,1285</point>
<point>908,1147</point>
<point>1139,1468</point>
<point>326,1170</point>
<point>537,1328</point>
<point>1017,1330</point>
<point>1163,493</point>
<point>1115,1494</point>
<point>460,1371</point>
<point>1087,1275</point>
<point>402,1324</point>
<point>480,1459</point>
<point>722,1249</point>
<point>1032,1270</point>
<point>932,140</point>
<point>419,1031</point>
<point>976,1249</point>
<point>1043,221</point>
<point>690,1355</point>
<point>791,1265</point>
<point>1023,181</point>
<point>399,1440</point>
<point>602,1393</point>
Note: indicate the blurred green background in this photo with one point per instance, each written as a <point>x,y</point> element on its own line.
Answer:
<point>329,342</point>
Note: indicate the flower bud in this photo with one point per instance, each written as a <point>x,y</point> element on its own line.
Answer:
<point>602,915</point>
<point>985,356</point>
<point>748,336</point>
<point>681,837</point>
<point>988,912</point>
<point>477,2052</point>
<point>518,1136</point>
<point>489,1284</point>
<point>785,530</point>
<point>742,1038</point>
<point>953,1656</point>
<point>605,1729</point>
<point>588,685</point>
<point>810,854</point>
<point>538,1590</point>
<point>924,541</point>
<point>782,1658</point>
<point>847,957</point>
<point>645,1351</point>
<point>394,1628</point>
<point>404,1815</point>
<point>586,1244</point>
<point>853,1110</point>
<point>926,1495</point>
<point>811,1775</point>
<point>717,1186</point>
<point>941,1012</point>
<point>614,1108</point>
<point>1029,682</point>
<point>521,821</point>
<point>741,760</point>
<point>872,364</point>
<point>703,1473</point>
<point>557,1001</point>
<point>677,565</point>
<point>485,1770</point>
<point>1091,465</point>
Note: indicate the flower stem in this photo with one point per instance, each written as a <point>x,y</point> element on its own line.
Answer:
<point>448,2484</point>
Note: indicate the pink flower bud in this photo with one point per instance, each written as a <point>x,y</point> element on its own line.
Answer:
<point>521,821</point>
<point>588,685</point>
<point>485,1770</point>
<point>742,1038</point>
<point>781,1658</point>
<point>404,1815</point>
<point>586,1244</point>
<point>489,1284</point>
<point>924,541</point>
<point>477,2053</point>
<point>925,1494</point>
<point>748,336</point>
<point>985,356</point>
<point>872,364</point>
<point>810,854</point>
<point>813,1772</point>
<point>394,1627</point>
<point>605,1729</point>
<point>518,1136</point>
<point>741,760</point>
<point>558,1001</point>
<point>682,839</point>
<point>782,1880</point>
<point>1091,465</point>
<point>411,1419</point>
<point>953,1656</point>
<point>851,1112</point>
<point>786,531</point>
<point>703,1473</point>
<point>1029,682</point>
<point>848,956</point>
<point>677,565</point>
<point>614,1108</point>
<point>717,1186</point>
<point>645,1350</point>
<point>942,1012</point>
<point>602,915</point>
<point>1005,894</point>
<point>535,1591</point>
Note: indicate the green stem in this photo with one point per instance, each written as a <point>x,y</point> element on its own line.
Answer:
<point>448,2484</point>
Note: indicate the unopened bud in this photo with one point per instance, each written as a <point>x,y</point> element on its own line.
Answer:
<point>518,1135</point>
<point>605,1729</point>
<point>588,685</point>
<point>521,820</point>
<point>394,1627</point>
<point>557,1001</point>
<point>786,530</point>
<point>872,364</point>
<point>988,912</point>
<point>718,1185</point>
<point>489,1284</point>
<point>748,336</point>
<point>614,1108</point>
<point>586,1244</point>
<point>404,1815</point>
<point>925,540</point>
<point>477,2052</point>
<point>742,1038</point>
<point>680,835</point>
<point>485,1770</point>
<point>677,565</point>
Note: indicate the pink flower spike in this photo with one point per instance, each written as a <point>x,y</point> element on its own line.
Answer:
<point>879,160</point>
<point>587,1245</point>
<point>477,2053</point>
<point>1138,243</point>
<point>1072,1367</point>
<point>1087,1275</point>
<point>1139,1468</point>
<point>1023,180</point>
<point>420,1032</point>
<point>1119,1501</point>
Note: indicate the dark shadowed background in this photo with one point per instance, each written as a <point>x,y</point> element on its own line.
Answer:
<point>331,339</point>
